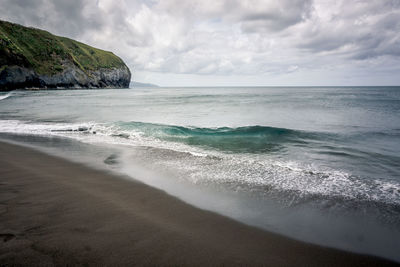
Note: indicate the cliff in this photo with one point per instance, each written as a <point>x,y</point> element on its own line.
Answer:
<point>33,58</point>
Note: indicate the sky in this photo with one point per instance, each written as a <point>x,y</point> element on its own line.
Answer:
<point>232,42</point>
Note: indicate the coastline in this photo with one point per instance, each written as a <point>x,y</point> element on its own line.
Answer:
<point>55,212</point>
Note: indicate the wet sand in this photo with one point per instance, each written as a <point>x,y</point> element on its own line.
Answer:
<point>54,212</point>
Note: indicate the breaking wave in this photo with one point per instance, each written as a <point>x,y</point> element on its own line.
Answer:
<point>231,157</point>
<point>2,97</point>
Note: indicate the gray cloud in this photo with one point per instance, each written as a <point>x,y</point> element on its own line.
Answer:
<point>362,31</point>
<point>265,38</point>
<point>72,18</point>
<point>277,17</point>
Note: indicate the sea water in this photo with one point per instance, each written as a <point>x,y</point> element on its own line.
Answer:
<point>319,164</point>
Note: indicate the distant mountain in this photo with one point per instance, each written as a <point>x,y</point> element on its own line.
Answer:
<point>33,58</point>
<point>137,84</point>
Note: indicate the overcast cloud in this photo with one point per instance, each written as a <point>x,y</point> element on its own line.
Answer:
<point>237,42</point>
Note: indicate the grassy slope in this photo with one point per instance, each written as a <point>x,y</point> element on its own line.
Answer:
<point>45,52</point>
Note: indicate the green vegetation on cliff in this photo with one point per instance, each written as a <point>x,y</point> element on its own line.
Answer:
<point>46,53</point>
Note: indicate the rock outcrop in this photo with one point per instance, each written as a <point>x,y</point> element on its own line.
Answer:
<point>16,77</point>
<point>32,58</point>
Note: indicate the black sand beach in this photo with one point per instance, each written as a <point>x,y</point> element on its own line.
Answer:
<point>54,212</point>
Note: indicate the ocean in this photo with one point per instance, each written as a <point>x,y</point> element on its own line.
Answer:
<point>318,164</point>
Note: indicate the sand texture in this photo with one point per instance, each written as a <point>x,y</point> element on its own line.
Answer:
<point>54,212</point>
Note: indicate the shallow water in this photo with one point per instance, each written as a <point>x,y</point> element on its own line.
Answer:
<point>316,164</point>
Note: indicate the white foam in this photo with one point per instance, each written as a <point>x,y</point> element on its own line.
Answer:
<point>91,132</point>
<point>5,96</point>
<point>247,173</point>
<point>25,127</point>
<point>238,171</point>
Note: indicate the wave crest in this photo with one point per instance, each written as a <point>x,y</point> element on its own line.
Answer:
<point>246,139</point>
<point>2,97</point>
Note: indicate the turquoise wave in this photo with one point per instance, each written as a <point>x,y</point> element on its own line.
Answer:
<point>247,139</point>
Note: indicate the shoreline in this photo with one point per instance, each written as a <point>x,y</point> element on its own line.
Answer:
<point>55,212</point>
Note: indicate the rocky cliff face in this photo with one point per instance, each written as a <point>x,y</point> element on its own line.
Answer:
<point>16,77</point>
<point>32,58</point>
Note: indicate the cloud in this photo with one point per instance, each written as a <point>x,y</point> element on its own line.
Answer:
<point>229,38</point>
<point>273,15</point>
<point>359,30</point>
<point>72,17</point>
<point>253,15</point>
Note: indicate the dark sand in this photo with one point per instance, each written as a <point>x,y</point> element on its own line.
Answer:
<point>54,212</point>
